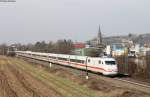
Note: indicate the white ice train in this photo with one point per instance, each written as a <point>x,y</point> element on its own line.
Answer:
<point>104,65</point>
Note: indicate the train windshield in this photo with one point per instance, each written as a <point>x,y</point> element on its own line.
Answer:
<point>110,62</point>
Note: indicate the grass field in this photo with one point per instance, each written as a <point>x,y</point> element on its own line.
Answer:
<point>19,78</point>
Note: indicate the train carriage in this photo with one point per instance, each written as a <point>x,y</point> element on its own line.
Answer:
<point>104,65</point>
<point>78,61</point>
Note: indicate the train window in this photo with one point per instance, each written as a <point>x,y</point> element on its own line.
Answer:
<point>72,60</point>
<point>89,60</point>
<point>52,57</point>
<point>110,62</point>
<point>62,58</point>
<point>80,61</point>
<point>99,62</point>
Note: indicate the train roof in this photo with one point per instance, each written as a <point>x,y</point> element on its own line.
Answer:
<point>71,56</point>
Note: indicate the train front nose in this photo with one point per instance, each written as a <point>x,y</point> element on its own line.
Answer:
<point>113,70</point>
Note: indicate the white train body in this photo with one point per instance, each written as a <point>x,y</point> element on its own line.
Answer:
<point>104,65</point>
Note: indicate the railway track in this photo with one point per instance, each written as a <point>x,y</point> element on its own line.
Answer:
<point>129,80</point>
<point>128,83</point>
<point>132,82</point>
<point>95,75</point>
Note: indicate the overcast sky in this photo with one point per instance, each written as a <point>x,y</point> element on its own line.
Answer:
<point>28,21</point>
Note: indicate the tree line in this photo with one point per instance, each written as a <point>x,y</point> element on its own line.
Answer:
<point>61,46</point>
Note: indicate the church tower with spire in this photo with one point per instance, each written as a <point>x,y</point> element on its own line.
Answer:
<point>99,38</point>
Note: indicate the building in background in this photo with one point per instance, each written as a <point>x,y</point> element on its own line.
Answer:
<point>144,51</point>
<point>85,50</point>
<point>107,50</point>
<point>118,49</point>
<point>79,45</point>
<point>93,52</point>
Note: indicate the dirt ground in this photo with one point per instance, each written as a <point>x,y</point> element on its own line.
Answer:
<point>19,78</point>
<point>16,83</point>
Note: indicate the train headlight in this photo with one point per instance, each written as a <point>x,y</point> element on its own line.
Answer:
<point>116,70</point>
<point>109,69</point>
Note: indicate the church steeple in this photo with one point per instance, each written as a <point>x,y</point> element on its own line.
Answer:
<point>99,38</point>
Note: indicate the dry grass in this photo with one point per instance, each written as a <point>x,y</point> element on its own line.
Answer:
<point>27,79</point>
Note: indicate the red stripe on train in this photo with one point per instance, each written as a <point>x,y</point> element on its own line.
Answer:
<point>98,68</point>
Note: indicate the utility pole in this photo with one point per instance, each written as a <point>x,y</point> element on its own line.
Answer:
<point>87,75</point>
<point>126,61</point>
<point>3,51</point>
<point>49,61</point>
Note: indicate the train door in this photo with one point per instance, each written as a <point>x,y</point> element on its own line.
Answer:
<point>98,65</point>
<point>101,65</point>
<point>91,64</point>
<point>88,62</point>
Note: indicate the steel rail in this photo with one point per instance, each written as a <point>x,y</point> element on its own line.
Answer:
<point>131,82</point>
